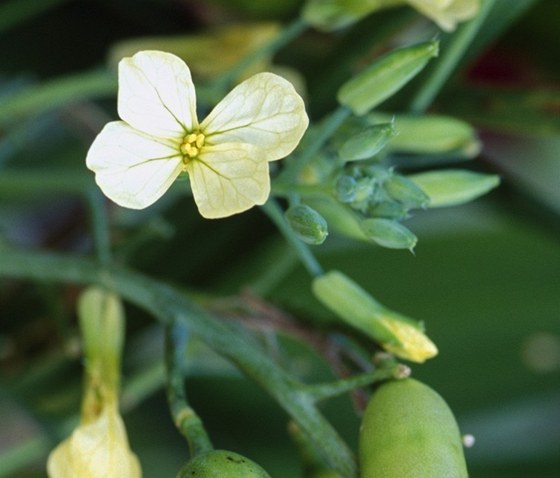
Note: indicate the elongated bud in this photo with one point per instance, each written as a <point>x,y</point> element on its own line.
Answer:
<point>385,76</point>
<point>367,143</point>
<point>389,233</point>
<point>398,334</point>
<point>406,192</point>
<point>454,187</point>
<point>307,223</point>
<point>432,134</point>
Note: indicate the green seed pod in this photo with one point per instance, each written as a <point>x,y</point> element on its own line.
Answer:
<point>220,464</point>
<point>307,223</point>
<point>385,76</point>
<point>367,143</point>
<point>408,431</point>
<point>389,233</point>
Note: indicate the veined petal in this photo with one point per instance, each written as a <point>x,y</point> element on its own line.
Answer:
<point>132,168</point>
<point>156,94</point>
<point>228,179</point>
<point>264,111</point>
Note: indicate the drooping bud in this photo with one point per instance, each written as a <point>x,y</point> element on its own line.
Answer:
<point>307,223</point>
<point>389,233</point>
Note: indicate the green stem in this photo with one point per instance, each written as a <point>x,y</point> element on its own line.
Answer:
<point>185,418</point>
<point>323,391</point>
<point>169,305</point>
<point>56,93</point>
<point>284,37</point>
<point>99,225</point>
<point>274,212</point>
<point>320,135</point>
<point>450,58</point>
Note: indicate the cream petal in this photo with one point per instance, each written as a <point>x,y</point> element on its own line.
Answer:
<point>227,179</point>
<point>96,450</point>
<point>264,111</point>
<point>132,168</point>
<point>156,94</point>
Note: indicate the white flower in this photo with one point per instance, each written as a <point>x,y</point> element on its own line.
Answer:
<point>98,449</point>
<point>226,156</point>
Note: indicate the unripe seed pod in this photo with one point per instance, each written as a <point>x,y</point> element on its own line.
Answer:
<point>307,223</point>
<point>408,431</point>
<point>220,464</point>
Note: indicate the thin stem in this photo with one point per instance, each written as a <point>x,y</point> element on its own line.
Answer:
<point>450,58</point>
<point>100,225</point>
<point>323,391</point>
<point>185,418</point>
<point>321,135</point>
<point>307,258</point>
<point>168,305</point>
<point>56,93</point>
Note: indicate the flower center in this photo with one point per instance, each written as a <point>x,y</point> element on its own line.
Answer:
<point>191,145</point>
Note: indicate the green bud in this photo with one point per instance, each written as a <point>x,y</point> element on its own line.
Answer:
<point>398,334</point>
<point>405,191</point>
<point>432,134</point>
<point>367,143</point>
<point>339,216</point>
<point>385,76</point>
<point>346,188</point>
<point>307,223</point>
<point>352,304</point>
<point>220,464</point>
<point>389,233</point>
<point>408,431</point>
<point>453,187</point>
<point>388,210</point>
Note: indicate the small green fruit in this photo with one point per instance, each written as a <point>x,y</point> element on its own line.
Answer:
<point>408,431</point>
<point>221,464</point>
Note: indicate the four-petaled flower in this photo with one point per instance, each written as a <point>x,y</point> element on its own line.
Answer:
<point>226,156</point>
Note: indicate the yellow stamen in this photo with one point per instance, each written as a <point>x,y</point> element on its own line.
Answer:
<point>192,144</point>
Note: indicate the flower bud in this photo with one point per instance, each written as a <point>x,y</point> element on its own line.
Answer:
<point>367,143</point>
<point>388,210</point>
<point>406,192</point>
<point>453,187</point>
<point>396,333</point>
<point>432,134</point>
<point>307,223</point>
<point>220,464</point>
<point>385,76</point>
<point>346,189</point>
<point>389,233</point>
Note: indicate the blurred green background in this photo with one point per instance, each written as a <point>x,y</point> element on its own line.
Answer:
<point>485,278</point>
